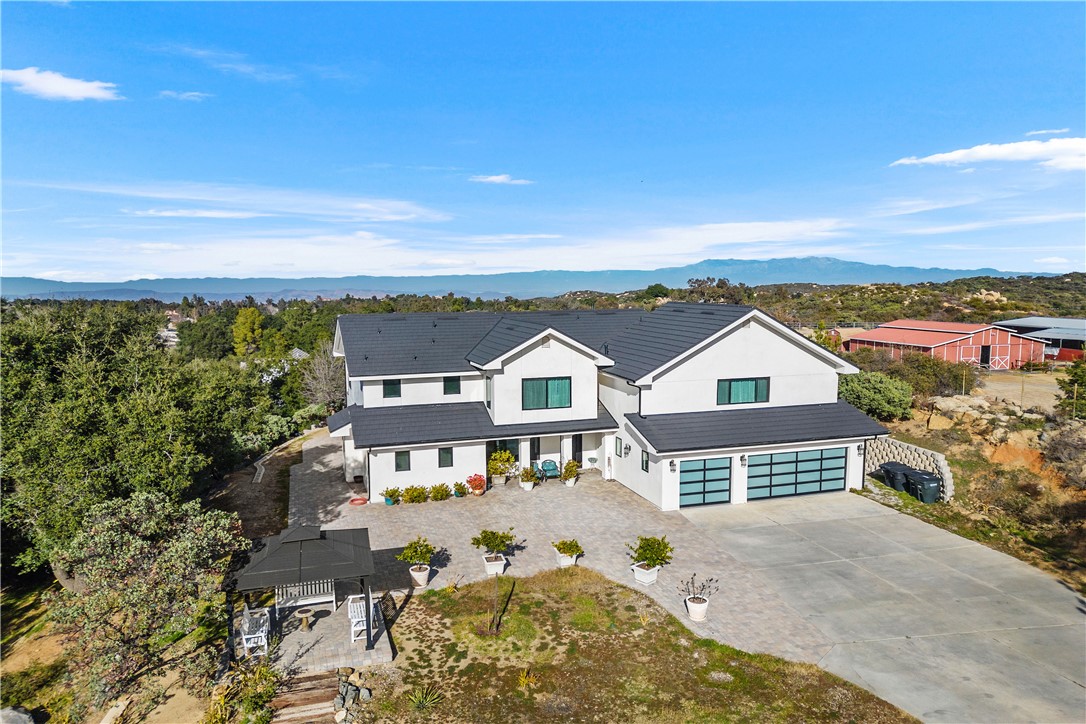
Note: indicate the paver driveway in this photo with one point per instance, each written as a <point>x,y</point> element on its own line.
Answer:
<point>945,628</point>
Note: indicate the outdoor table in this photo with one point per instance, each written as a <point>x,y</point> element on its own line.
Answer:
<point>303,615</point>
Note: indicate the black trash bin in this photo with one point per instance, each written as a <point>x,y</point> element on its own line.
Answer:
<point>923,485</point>
<point>893,473</point>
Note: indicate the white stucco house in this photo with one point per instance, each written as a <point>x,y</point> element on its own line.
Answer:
<point>691,404</point>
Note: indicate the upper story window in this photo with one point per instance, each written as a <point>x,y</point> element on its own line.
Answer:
<point>452,385</point>
<point>489,384</point>
<point>545,393</point>
<point>741,391</point>
<point>391,388</point>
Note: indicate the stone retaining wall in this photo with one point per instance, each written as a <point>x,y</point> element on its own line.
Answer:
<point>885,449</point>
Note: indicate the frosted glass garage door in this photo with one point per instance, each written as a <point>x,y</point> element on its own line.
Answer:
<point>703,482</point>
<point>796,473</point>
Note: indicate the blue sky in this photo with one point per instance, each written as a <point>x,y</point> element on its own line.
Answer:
<point>282,139</point>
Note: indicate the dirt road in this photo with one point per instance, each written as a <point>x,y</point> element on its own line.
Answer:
<point>1028,389</point>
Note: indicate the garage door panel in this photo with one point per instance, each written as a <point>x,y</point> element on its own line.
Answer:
<point>704,482</point>
<point>785,474</point>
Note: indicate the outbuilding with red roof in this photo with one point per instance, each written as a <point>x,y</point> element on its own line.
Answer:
<point>984,345</point>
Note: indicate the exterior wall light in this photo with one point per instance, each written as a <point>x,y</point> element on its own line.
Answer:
<point>672,465</point>
<point>743,460</point>
<point>626,451</point>
<point>860,449</point>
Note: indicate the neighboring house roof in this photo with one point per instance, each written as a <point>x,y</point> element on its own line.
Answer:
<point>720,429</point>
<point>297,353</point>
<point>1058,333</point>
<point>1046,322</point>
<point>666,333</point>
<point>421,424</point>
<point>304,554</point>
<point>408,344</point>
<point>960,327</point>
<point>908,337</point>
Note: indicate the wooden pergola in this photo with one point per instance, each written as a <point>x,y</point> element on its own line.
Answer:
<point>303,564</point>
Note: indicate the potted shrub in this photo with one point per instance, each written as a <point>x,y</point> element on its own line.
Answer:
<point>460,490</point>
<point>477,484</point>
<point>418,553</point>
<point>697,595</point>
<point>440,491</point>
<point>569,472</point>
<point>500,466</point>
<point>495,544</point>
<point>649,555</point>
<point>528,478</point>
<point>392,496</point>
<point>567,551</point>
<point>416,494</point>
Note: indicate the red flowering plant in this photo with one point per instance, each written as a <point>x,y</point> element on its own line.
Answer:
<point>477,483</point>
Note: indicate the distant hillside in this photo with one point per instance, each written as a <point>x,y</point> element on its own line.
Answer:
<point>817,270</point>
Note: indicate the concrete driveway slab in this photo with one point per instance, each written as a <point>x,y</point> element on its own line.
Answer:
<point>914,534</point>
<point>924,578</point>
<point>771,546</point>
<point>828,586</point>
<point>1048,647</point>
<point>846,539</point>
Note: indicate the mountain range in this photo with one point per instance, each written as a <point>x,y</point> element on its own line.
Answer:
<point>524,285</point>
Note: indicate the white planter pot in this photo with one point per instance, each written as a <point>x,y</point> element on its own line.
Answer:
<point>571,482</point>
<point>494,564</point>
<point>565,561</point>
<point>526,485</point>
<point>646,576</point>
<point>497,480</point>
<point>420,575</point>
<point>697,607</point>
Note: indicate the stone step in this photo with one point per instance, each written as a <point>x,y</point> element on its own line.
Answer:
<point>320,712</point>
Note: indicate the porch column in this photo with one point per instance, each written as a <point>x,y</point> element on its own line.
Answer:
<point>369,614</point>
<point>566,449</point>
<point>525,446</point>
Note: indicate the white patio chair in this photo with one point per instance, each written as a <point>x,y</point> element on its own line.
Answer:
<point>255,629</point>
<point>356,612</point>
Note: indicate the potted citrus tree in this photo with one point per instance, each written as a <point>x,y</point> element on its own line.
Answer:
<point>697,595</point>
<point>494,544</point>
<point>500,465</point>
<point>649,555</point>
<point>567,551</point>
<point>418,553</point>
<point>569,472</point>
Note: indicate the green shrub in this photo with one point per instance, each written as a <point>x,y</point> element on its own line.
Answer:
<point>570,470</point>
<point>528,475</point>
<point>416,494</point>
<point>309,415</point>
<point>877,395</point>
<point>441,491</point>
<point>393,494</point>
<point>493,541</point>
<point>461,489</point>
<point>1073,389</point>
<point>418,552</point>
<point>651,551</point>
<point>501,462</point>
<point>569,547</point>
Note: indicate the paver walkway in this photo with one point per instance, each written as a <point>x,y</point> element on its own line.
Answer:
<point>943,627</point>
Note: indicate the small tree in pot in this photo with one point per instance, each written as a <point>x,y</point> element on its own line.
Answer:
<point>392,496</point>
<point>569,472</point>
<point>500,466</point>
<point>567,551</point>
<point>418,553</point>
<point>528,478</point>
<point>649,555</point>
<point>697,595</point>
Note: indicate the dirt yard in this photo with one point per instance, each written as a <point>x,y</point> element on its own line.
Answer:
<point>1028,389</point>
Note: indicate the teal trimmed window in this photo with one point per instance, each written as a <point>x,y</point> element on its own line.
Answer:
<point>390,388</point>
<point>444,457</point>
<point>403,461</point>
<point>545,393</point>
<point>452,385</point>
<point>742,391</point>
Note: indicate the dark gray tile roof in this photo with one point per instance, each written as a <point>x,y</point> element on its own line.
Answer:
<point>339,419</point>
<point>754,426</point>
<point>666,333</point>
<point>304,554</point>
<point>419,424</point>
<point>404,344</point>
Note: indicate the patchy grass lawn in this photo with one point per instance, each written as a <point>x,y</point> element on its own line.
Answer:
<point>34,669</point>
<point>574,646</point>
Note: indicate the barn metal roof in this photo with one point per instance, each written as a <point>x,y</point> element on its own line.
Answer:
<point>1058,333</point>
<point>923,324</point>
<point>304,554</point>
<point>722,429</point>
<point>1046,322</point>
<point>420,424</point>
<point>908,337</point>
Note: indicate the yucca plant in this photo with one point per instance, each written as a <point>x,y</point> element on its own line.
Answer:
<point>425,697</point>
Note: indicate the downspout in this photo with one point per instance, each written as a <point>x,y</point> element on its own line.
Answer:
<point>631,384</point>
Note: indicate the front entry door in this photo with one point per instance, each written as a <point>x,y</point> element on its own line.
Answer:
<point>578,449</point>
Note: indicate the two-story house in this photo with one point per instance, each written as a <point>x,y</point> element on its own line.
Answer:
<point>691,404</point>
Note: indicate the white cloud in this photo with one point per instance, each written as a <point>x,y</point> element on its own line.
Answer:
<point>185,95</point>
<point>198,213</point>
<point>156,247</point>
<point>502,238</point>
<point>232,63</point>
<point>995,223</point>
<point>265,201</point>
<point>1060,154</point>
<point>502,178</point>
<point>1052,261</point>
<point>56,87</point>
<point>1048,132</point>
<point>906,207</point>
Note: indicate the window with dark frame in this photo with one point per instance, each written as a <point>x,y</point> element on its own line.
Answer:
<point>742,391</point>
<point>645,460</point>
<point>452,385</point>
<point>618,446</point>
<point>545,393</point>
<point>403,461</point>
<point>444,457</point>
<point>391,388</point>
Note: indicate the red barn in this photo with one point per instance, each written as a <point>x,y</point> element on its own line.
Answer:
<point>984,345</point>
